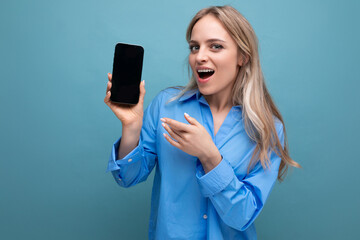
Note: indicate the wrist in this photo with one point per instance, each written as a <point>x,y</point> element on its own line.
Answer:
<point>211,160</point>
<point>132,127</point>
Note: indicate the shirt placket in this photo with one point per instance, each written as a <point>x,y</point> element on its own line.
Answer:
<point>208,123</point>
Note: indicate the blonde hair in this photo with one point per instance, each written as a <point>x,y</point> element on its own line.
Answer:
<point>249,90</point>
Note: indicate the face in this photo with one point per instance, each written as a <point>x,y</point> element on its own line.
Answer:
<point>214,57</point>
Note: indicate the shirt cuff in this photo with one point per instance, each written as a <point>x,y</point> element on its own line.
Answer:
<point>215,180</point>
<point>115,164</point>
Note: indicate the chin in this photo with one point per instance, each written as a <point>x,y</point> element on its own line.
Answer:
<point>205,91</point>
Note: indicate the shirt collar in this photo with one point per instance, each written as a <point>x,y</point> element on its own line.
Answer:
<point>189,94</point>
<point>196,93</point>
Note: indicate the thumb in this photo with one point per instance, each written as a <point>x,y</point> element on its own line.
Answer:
<point>191,120</point>
<point>142,91</point>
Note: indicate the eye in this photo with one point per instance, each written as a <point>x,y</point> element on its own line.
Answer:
<point>217,46</point>
<point>194,48</point>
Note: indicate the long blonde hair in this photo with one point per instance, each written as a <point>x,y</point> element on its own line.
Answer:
<point>249,90</point>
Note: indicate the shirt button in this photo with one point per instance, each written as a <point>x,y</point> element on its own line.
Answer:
<point>205,216</point>
<point>130,160</point>
<point>119,179</point>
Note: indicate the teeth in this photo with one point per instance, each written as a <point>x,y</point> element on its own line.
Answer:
<point>205,70</point>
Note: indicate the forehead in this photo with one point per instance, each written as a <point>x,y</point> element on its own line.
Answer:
<point>209,27</point>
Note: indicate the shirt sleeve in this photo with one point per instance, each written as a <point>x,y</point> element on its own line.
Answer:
<point>239,201</point>
<point>138,164</point>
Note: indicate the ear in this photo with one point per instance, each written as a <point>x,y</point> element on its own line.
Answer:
<point>243,59</point>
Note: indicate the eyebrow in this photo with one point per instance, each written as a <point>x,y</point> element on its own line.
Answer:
<point>209,40</point>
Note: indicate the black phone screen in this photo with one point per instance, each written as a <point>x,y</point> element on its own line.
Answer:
<point>126,76</point>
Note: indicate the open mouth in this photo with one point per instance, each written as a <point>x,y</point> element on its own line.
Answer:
<point>205,73</point>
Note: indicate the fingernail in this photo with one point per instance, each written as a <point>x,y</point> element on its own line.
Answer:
<point>162,119</point>
<point>187,115</point>
<point>163,124</point>
<point>143,82</point>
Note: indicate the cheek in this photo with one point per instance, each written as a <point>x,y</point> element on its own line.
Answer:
<point>228,64</point>
<point>231,59</point>
<point>192,61</point>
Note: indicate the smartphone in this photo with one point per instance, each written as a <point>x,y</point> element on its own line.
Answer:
<point>126,74</point>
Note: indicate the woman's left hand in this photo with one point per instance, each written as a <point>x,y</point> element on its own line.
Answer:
<point>193,139</point>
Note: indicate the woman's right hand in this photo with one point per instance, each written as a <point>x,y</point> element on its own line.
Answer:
<point>131,116</point>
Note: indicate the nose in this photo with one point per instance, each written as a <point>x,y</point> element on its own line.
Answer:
<point>201,55</point>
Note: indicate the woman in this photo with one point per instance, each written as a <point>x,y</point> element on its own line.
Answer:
<point>218,145</point>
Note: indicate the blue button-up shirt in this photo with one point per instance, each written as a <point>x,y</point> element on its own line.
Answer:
<point>186,203</point>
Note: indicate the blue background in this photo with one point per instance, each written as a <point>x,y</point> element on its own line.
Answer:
<point>56,132</point>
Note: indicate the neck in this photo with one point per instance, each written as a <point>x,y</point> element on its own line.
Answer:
<point>219,103</point>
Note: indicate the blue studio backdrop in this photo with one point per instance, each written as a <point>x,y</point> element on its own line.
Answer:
<point>56,132</point>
